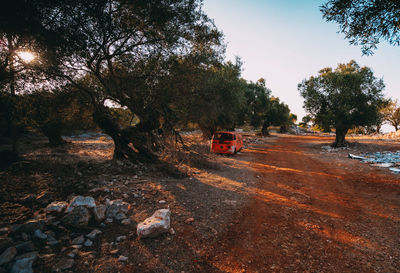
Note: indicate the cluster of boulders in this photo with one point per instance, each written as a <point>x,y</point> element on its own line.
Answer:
<point>21,245</point>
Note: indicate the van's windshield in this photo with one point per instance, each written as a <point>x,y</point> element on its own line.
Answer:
<point>224,136</point>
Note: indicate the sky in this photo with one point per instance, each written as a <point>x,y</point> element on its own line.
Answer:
<point>287,41</point>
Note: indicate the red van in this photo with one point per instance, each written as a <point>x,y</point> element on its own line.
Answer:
<point>226,142</point>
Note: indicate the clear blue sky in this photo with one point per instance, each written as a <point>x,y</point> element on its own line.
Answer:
<point>286,41</point>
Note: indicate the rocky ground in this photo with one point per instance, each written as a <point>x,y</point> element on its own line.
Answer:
<point>73,209</point>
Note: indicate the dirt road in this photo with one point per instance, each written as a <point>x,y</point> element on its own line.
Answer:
<point>283,205</point>
<point>311,212</point>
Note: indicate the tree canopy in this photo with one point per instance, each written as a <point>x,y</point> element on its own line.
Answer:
<point>343,98</point>
<point>366,22</point>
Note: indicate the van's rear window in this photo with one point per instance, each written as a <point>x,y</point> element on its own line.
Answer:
<point>224,136</point>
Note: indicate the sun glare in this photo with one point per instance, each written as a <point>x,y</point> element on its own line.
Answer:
<point>26,56</point>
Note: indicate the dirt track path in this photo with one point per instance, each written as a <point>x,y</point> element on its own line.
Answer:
<point>312,213</point>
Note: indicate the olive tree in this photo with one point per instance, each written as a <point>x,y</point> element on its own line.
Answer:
<point>391,114</point>
<point>276,113</point>
<point>343,98</point>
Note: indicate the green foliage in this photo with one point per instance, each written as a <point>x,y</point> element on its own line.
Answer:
<point>366,22</point>
<point>277,114</point>
<point>292,118</point>
<point>391,114</point>
<point>258,100</point>
<point>216,100</point>
<point>343,98</point>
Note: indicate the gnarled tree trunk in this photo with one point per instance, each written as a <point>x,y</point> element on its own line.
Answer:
<point>340,140</point>
<point>129,143</point>
<point>264,129</point>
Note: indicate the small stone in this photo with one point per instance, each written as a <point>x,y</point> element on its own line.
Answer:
<point>78,240</point>
<point>63,264</point>
<point>122,259</point>
<point>162,202</point>
<point>88,243</point>
<point>39,234</point>
<point>189,220</point>
<point>79,217</point>
<point>23,263</point>
<point>56,206</point>
<point>126,222</point>
<point>172,231</point>
<point>125,195</point>
<point>99,212</point>
<point>93,234</point>
<point>109,220</point>
<point>120,238</point>
<point>71,254</point>
<point>8,255</point>
<point>115,207</point>
<point>120,216</point>
<point>81,201</point>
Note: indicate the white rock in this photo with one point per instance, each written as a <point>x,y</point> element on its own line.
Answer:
<point>93,234</point>
<point>81,201</point>
<point>57,206</point>
<point>162,202</point>
<point>122,258</point>
<point>120,238</point>
<point>155,225</point>
<point>126,222</point>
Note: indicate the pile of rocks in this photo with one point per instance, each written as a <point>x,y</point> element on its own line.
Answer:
<point>389,160</point>
<point>55,231</point>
